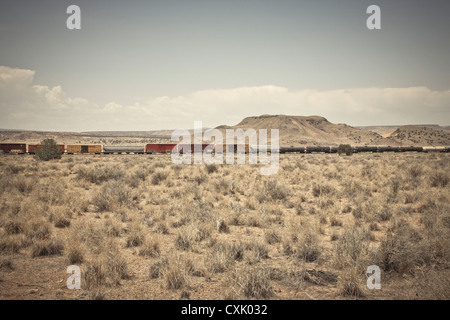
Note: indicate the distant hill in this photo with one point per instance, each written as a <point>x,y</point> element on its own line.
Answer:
<point>421,136</point>
<point>312,130</point>
<point>386,131</point>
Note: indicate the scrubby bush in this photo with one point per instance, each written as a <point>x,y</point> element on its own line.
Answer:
<point>113,195</point>
<point>345,148</point>
<point>439,179</point>
<point>211,168</point>
<point>159,176</point>
<point>273,190</point>
<point>150,247</point>
<point>108,270</point>
<point>47,248</point>
<point>49,151</point>
<point>402,250</point>
<point>253,283</point>
<point>99,173</point>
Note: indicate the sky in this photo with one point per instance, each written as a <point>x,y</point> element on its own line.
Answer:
<point>149,65</point>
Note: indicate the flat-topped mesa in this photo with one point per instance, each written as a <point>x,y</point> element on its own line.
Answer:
<point>310,130</point>
<point>267,119</point>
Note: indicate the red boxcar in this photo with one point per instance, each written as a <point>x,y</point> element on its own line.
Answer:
<point>33,147</point>
<point>13,148</point>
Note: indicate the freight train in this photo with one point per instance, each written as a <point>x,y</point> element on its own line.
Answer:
<point>154,148</point>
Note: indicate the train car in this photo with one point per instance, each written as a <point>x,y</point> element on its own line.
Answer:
<point>262,148</point>
<point>310,149</point>
<point>409,149</point>
<point>109,149</point>
<point>365,149</point>
<point>17,148</point>
<point>224,148</point>
<point>33,147</point>
<point>190,148</point>
<point>382,149</point>
<point>434,149</point>
<point>292,149</point>
<point>431,149</point>
<point>254,148</point>
<point>234,148</point>
<point>83,149</point>
<point>209,148</point>
<point>160,148</point>
<point>333,149</point>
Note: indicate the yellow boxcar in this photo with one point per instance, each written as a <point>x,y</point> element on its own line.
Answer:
<point>84,148</point>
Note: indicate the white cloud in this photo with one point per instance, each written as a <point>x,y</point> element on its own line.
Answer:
<point>26,105</point>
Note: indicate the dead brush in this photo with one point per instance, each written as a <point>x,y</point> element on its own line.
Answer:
<point>308,248</point>
<point>60,217</point>
<point>402,250</point>
<point>177,271</point>
<point>108,270</point>
<point>10,244</point>
<point>75,252</point>
<point>52,193</point>
<point>255,251</point>
<point>113,195</point>
<point>151,247</point>
<point>192,234</point>
<point>211,168</point>
<point>335,222</point>
<point>99,173</point>
<point>6,264</point>
<point>351,248</point>
<point>439,179</point>
<point>48,247</point>
<point>322,190</point>
<point>38,229</point>
<point>158,176</point>
<point>142,173</point>
<point>91,234</point>
<point>13,227</point>
<point>272,236</point>
<point>135,236</point>
<point>157,268</point>
<point>222,226</point>
<point>222,186</point>
<point>350,283</point>
<point>23,185</point>
<point>14,169</point>
<point>414,171</point>
<point>112,228</point>
<point>273,191</point>
<point>223,255</point>
<point>252,283</point>
<point>218,261</point>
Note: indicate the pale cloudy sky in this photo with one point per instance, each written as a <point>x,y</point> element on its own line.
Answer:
<point>144,65</point>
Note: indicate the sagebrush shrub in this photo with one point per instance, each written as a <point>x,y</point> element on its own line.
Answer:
<point>345,148</point>
<point>49,151</point>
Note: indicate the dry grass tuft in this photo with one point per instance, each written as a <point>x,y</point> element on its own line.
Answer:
<point>253,283</point>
